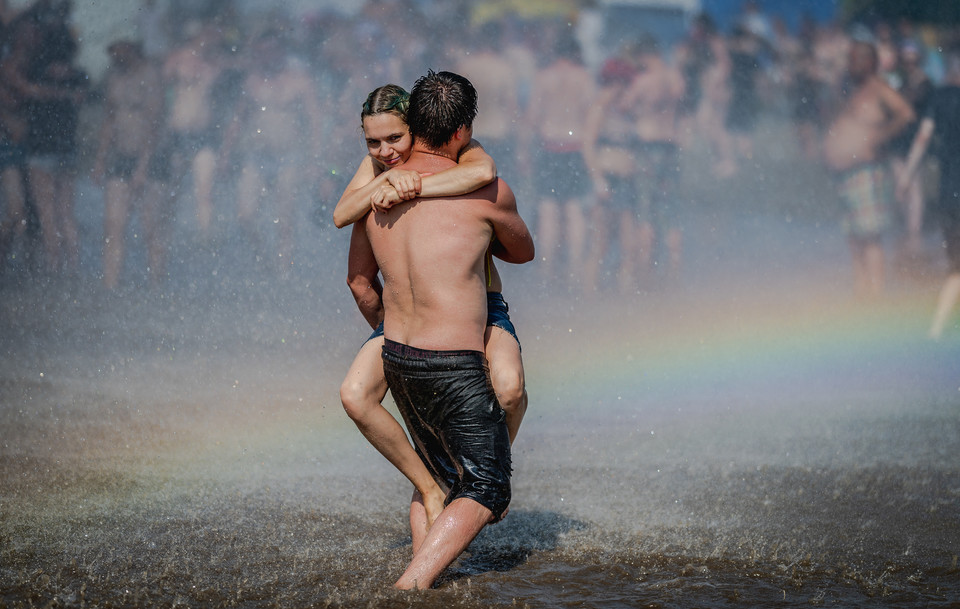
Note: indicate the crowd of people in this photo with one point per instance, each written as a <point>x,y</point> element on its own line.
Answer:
<point>218,115</point>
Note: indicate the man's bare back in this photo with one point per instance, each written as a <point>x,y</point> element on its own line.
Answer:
<point>431,253</point>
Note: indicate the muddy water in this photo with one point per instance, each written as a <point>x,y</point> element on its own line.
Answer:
<point>738,439</point>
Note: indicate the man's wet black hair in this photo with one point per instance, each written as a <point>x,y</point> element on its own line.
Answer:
<point>440,103</point>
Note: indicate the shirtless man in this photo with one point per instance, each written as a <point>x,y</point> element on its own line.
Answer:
<point>655,97</point>
<point>191,72</point>
<point>277,127</point>
<point>431,253</point>
<point>133,114</point>
<point>556,116</point>
<point>870,116</point>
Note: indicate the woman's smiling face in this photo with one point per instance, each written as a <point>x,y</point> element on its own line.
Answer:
<point>388,138</point>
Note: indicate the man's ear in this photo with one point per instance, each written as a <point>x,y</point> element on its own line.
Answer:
<point>461,133</point>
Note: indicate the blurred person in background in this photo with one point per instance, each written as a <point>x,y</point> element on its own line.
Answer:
<point>553,131</point>
<point>51,142</point>
<point>807,103</point>
<point>13,130</point>
<point>871,115</point>
<point>276,135</point>
<point>711,112</point>
<point>654,99</point>
<point>744,109</point>
<point>609,152</point>
<point>192,137</point>
<point>941,123</point>
<point>125,163</point>
<point>916,87</point>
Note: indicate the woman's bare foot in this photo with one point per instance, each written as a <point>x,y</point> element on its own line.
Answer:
<point>433,504</point>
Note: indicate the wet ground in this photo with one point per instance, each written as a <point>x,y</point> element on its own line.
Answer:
<point>745,436</point>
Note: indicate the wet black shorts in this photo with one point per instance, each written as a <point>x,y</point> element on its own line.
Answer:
<point>457,425</point>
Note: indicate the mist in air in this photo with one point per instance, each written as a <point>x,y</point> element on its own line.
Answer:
<point>720,415</point>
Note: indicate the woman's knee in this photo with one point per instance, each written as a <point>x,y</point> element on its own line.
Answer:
<point>357,398</point>
<point>510,389</point>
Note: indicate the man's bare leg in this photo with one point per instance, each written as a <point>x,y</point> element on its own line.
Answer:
<point>631,248</point>
<point>674,240</point>
<point>599,245</point>
<point>115,215</point>
<point>65,195</point>
<point>14,221</point>
<point>868,271</point>
<point>576,242</point>
<point>451,533</point>
<point>874,262</point>
<point>204,167</point>
<point>949,295</point>
<point>548,237</point>
<point>287,182</point>
<point>249,187</point>
<point>361,393</point>
<point>43,190</point>
<point>156,230</point>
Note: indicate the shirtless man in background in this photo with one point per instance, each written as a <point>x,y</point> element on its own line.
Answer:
<point>432,255</point>
<point>125,154</point>
<point>191,71</point>
<point>555,122</point>
<point>277,132</point>
<point>654,98</point>
<point>868,118</point>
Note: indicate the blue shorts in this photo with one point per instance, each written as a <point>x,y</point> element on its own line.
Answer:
<point>497,315</point>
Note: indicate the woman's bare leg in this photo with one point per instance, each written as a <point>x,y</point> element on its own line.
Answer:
<point>361,393</point>
<point>506,375</point>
